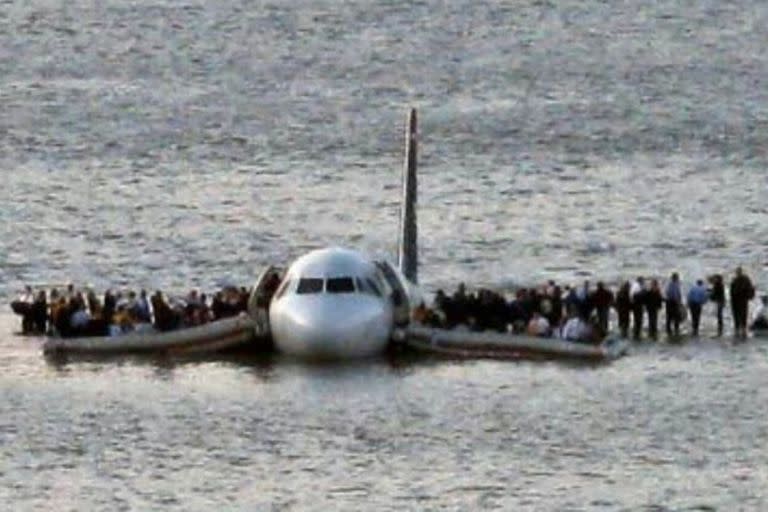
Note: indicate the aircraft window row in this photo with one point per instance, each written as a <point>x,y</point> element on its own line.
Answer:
<point>340,285</point>
<point>309,285</point>
<point>313,285</point>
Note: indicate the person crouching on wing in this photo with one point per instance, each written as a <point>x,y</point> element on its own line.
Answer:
<point>579,330</point>
<point>760,318</point>
<point>538,326</point>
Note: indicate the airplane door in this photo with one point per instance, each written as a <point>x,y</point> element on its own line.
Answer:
<point>258,302</point>
<point>399,296</point>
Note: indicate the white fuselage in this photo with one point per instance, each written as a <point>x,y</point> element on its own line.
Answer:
<point>332,303</point>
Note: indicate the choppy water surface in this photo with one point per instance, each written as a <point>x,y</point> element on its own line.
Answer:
<point>171,144</point>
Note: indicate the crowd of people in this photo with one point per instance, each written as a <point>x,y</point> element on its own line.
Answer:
<point>580,313</point>
<point>71,312</point>
<point>583,313</point>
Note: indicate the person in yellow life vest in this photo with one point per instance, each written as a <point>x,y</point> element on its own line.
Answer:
<point>121,322</point>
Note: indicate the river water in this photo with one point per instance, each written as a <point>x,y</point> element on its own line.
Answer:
<point>166,144</point>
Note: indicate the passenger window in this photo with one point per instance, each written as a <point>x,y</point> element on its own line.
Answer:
<point>340,285</point>
<point>309,285</point>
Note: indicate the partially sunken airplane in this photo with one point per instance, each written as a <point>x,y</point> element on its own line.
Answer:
<point>339,303</point>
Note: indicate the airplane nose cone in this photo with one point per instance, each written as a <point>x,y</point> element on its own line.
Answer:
<point>356,330</point>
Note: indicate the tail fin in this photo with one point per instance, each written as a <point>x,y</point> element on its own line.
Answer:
<point>408,253</point>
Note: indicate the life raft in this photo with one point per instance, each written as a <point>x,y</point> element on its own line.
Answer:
<point>222,334</point>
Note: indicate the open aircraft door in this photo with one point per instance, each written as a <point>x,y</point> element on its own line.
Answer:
<point>261,295</point>
<point>398,295</point>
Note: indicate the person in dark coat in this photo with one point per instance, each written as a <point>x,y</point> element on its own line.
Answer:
<point>585,305</point>
<point>653,302</point>
<point>60,315</point>
<point>742,292</point>
<point>717,295</point>
<point>673,300</point>
<point>40,312</point>
<point>270,288</point>
<point>218,307</point>
<point>109,307</point>
<point>602,299</point>
<point>555,316</point>
<point>623,308</point>
<point>445,304</point>
<point>461,305</point>
<point>571,302</point>
<point>165,319</point>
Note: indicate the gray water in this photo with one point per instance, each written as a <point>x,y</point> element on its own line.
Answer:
<point>169,145</point>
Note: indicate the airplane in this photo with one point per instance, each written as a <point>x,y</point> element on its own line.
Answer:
<point>337,303</point>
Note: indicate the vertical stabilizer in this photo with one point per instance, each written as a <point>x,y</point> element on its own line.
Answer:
<point>408,257</point>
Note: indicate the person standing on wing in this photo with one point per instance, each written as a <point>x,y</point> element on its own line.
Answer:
<point>602,299</point>
<point>653,302</point>
<point>697,297</point>
<point>717,295</point>
<point>623,307</point>
<point>673,301</point>
<point>742,292</point>
<point>637,298</point>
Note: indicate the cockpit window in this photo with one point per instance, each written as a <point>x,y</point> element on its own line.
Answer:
<point>367,286</point>
<point>340,285</point>
<point>309,285</point>
<point>374,287</point>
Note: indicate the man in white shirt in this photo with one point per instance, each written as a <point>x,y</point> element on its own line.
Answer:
<point>69,294</point>
<point>576,329</point>
<point>637,299</point>
<point>28,296</point>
